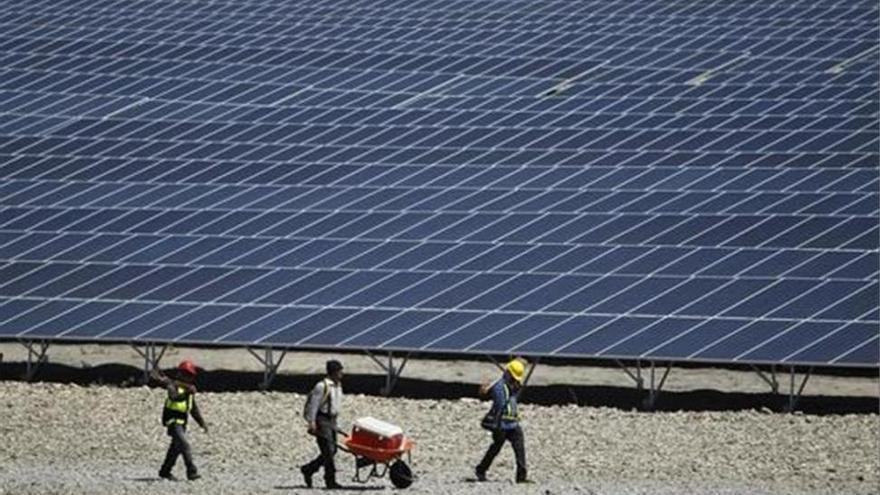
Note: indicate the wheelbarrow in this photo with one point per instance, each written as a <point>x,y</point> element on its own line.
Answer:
<point>378,448</point>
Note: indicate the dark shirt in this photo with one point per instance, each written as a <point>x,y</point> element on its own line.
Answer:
<point>505,401</point>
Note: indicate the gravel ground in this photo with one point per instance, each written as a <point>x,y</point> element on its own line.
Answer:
<point>60,438</point>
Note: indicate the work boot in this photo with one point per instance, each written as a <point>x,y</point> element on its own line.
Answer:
<point>481,475</point>
<point>332,485</point>
<point>307,476</point>
<point>193,476</point>
<point>166,475</point>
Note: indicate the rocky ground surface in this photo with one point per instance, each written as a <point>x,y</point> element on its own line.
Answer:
<point>66,438</point>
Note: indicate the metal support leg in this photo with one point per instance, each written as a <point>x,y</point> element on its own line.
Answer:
<point>531,370</point>
<point>637,376</point>
<point>525,382</point>
<point>496,363</point>
<point>655,388</point>
<point>151,358</point>
<point>270,366</point>
<point>392,373</point>
<point>771,380</point>
<point>793,396</point>
<point>35,357</point>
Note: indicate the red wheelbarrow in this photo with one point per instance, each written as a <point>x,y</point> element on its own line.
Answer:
<point>379,447</point>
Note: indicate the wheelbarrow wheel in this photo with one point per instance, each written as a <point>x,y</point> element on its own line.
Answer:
<point>400,474</point>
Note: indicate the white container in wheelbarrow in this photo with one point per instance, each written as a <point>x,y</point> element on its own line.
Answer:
<point>375,443</point>
<point>371,432</point>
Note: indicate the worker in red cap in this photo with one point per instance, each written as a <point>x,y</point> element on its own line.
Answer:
<point>179,405</point>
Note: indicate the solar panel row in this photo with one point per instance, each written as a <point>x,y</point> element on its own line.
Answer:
<point>583,179</point>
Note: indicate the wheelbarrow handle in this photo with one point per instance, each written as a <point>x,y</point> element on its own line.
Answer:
<point>340,445</point>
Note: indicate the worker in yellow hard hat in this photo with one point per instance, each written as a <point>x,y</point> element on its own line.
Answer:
<point>502,420</point>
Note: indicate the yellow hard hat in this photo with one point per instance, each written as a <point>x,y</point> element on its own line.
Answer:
<point>517,370</point>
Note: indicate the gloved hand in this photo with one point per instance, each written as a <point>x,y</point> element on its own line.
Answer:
<point>157,375</point>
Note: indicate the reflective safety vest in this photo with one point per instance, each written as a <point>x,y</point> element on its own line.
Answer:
<point>510,412</point>
<point>176,412</point>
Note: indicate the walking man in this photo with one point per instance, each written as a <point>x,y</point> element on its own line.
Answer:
<point>503,421</point>
<point>179,405</point>
<point>322,408</point>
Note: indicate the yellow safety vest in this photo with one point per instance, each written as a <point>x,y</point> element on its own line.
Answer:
<point>510,413</point>
<point>177,411</point>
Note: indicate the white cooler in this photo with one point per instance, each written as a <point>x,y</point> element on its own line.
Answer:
<point>375,433</point>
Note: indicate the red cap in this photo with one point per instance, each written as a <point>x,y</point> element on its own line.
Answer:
<point>187,367</point>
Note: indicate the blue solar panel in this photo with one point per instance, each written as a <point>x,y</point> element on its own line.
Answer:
<point>621,179</point>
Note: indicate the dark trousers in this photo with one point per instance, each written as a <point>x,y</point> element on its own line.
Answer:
<point>326,440</point>
<point>179,445</point>
<point>517,440</point>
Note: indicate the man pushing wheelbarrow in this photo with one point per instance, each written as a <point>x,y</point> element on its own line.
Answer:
<point>372,442</point>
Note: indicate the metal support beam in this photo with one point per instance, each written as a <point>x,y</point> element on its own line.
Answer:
<point>531,370</point>
<point>525,382</point>
<point>36,356</point>
<point>496,363</point>
<point>392,373</point>
<point>637,376</point>
<point>793,396</point>
<point>654,387</point>
<point>151,358</point>
<point>771,380</point>
<point>270,365</point>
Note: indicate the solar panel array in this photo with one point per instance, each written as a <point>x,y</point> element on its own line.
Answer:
<point>647,179</point>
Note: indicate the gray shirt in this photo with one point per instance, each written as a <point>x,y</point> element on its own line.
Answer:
<point>326,397</point>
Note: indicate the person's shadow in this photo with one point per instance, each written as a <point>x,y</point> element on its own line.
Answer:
<point>154,479</point>
<point>345,488</point>
<point>348,488</point>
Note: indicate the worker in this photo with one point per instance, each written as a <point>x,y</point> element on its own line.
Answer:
<point>320,412</point>
<point>503,420</point>
<point>179,405</point>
